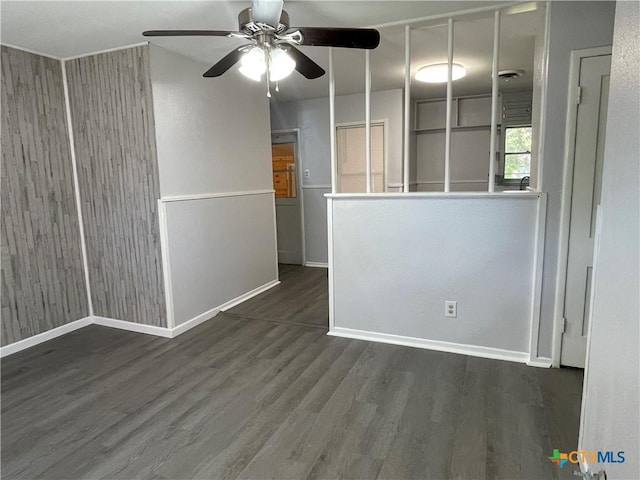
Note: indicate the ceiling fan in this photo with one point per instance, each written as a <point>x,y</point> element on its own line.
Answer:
<point>272,49</point>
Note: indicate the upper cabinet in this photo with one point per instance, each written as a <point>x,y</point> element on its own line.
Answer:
<point>466,112</point>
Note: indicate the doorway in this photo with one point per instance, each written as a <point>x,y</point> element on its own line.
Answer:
<point>286,183</point>
<point>586,151</point>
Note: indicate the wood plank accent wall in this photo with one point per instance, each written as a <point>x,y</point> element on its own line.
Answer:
<point>42,274</point>
<point>112,115</point>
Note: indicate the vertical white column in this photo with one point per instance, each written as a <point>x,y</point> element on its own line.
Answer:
<point>367,114</point>
<point>494,100</point>
<point>76,186</point>
<point>332,124</point>
<point>447,141</point>
<point>407,107</point>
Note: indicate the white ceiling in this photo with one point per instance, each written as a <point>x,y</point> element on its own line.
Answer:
<point>70,28</point>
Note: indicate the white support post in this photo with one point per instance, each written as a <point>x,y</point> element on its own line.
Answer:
<point>407,106</point>
<point>494,101</point>
<point>332,124</point>
<point>367,107</point>
<point>447,144</point>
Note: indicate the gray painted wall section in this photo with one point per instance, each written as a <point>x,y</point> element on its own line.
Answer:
<point>610,419</point>
<point>213,137</point>
<point>42,275</point>
<point>396,262</point>
<point>112,115</point>
<point>228,262</point>
<point>212,133</point>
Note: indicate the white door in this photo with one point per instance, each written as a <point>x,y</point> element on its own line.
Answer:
<point>587,181</point>
<point>284,157</point>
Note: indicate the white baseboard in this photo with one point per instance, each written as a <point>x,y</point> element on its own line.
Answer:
<point>209,314</point>
<point>541,362</point>
<point>133,327</point>
<point>44,336</point>
<point>194,322</point>
<point>244,297</point>
<point>472,350</point>
<point>316,264</point>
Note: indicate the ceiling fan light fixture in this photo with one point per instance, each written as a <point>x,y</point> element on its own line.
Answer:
<point>253,64</point>
<point>281,64</point>
<point>439,72</point>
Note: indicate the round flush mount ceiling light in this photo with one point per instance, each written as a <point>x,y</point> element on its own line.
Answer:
<point>438,73</point>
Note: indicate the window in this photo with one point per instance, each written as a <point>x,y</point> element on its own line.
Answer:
<point>517,152</point>
<point>284,169</point>
<point>350,143</point>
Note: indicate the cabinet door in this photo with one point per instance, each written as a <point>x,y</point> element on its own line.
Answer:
<point>433,114</point>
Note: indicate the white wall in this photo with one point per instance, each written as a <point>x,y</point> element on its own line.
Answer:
<point>312,118</point>
<point>572,25</point>
<point>213,136</point>
<point>396,261</point>
<point>611,394</point>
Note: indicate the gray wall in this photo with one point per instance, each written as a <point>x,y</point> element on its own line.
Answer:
<point>212,133</point>
<point>210,265</point>
<point>42,274</point>
<point>573,25</point>
<point>213,139</point>
<point>112,115</point>
<point>397,260</point>
<point>610,418</point>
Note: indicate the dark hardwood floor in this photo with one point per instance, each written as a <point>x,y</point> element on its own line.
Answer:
<point>302,298</point>
<point>248,398</point>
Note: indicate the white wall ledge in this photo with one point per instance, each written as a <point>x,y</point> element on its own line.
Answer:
<point>432,195</point>
<point>203,196</point>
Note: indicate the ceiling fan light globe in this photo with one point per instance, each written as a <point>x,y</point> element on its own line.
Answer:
<point>438,73</point>
<point>252,64</point>
<point>281,64</point>
<point>250,73</point>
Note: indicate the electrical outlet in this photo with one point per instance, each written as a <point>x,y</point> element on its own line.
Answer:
<point>307,173</point>
<point>450,308</point>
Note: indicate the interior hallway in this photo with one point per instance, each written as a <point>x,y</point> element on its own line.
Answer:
<point>244,398</point>
<point>302,298</point>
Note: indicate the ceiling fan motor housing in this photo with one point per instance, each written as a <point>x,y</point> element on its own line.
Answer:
<point>247,24</point>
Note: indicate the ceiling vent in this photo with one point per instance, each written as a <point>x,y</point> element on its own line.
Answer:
<point>510,74</point>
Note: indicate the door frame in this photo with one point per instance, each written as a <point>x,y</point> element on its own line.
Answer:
<point>567,193</point>
<point>299,188</point>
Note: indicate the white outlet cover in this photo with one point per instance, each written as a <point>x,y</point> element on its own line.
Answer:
<point>450,308</point>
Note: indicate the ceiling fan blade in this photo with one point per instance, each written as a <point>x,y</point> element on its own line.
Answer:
<point>267,11</point>
<point>367,38</point>
<point>307,67</point>
<point>226,63</point>
<point>187,33</point>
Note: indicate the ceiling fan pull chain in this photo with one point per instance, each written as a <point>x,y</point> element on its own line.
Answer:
<point>267,57</point>
<point>277,86</point>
